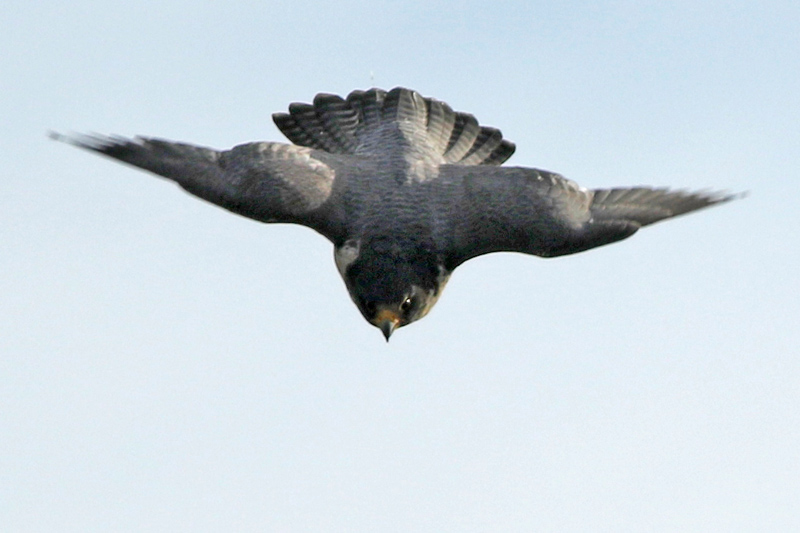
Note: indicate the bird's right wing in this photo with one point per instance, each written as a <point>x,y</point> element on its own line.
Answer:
<point>269,182</point>
<point>541,213</point>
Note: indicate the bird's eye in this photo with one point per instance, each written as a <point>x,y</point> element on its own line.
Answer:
<point>407,304</point>
<point>370,307</point>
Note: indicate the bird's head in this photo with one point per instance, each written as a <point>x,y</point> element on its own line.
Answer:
<point>393,286</point>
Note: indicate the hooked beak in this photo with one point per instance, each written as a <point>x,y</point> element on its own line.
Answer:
<point>387,321</point>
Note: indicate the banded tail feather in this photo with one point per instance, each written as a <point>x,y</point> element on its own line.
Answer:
<point>343,126</point>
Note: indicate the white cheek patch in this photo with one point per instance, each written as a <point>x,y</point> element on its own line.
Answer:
<point>345,255</point>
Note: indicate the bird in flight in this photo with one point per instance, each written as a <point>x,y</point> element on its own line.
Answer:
<point>405,188</point>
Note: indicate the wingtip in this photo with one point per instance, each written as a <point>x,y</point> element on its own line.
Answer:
<point>79,140</point>
<point>54,135</point>
<point>90,141</point>
<point>711,196</point>
<point>68,138</point>
<point>722,197</point>
<point>737,196</point>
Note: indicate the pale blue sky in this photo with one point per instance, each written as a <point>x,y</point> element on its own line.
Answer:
<point>169,366</point>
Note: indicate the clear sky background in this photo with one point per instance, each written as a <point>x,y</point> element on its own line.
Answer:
<point>166,365</point>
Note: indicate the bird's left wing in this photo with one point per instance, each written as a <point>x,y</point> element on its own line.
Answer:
<point>269,182</point>
<point>538,212</point>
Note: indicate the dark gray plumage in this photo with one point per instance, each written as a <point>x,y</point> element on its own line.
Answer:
<point>405,188</point>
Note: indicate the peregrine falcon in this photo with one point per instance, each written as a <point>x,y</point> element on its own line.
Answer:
<point>405,188</point>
